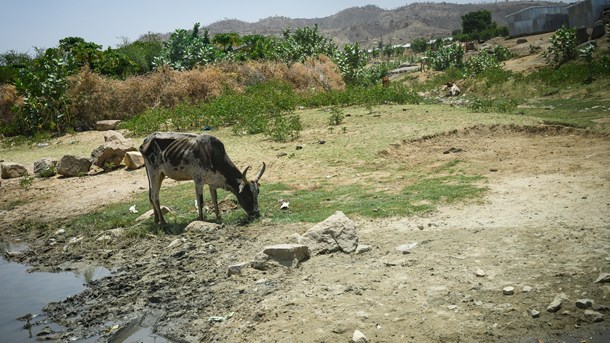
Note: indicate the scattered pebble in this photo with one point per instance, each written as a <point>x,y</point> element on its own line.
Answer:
<point>584,303</point>
<point>555,305</point>
<point>526,289</point>
<point>535,313</point>
<point>480,273</point>
<point>406,248</point>
<point>603,278</point>
<point>594,316</point>
<point>508,290</point>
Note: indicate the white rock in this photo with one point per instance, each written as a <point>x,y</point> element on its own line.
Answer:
<point>359,337</point>
<point>535,313</point>
<point>336,233</point>
<point>132,209</point>
<point>288,255</point>
<point>176,243</point>
<point>362,248</point>
<point>526,289</point>
<point>508,290</point>
<point>480,273</point>
<point>406,248</point>
<point>603,278</point>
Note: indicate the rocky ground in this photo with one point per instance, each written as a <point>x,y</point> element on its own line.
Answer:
<point>525,264</point>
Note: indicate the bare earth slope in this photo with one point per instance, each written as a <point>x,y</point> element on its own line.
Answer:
<point>543,228</point>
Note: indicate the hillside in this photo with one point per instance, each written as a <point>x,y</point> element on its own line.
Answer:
<point>369,24</point>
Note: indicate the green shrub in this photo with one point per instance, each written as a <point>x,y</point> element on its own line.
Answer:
<point>446,57</point>
<point>336,116</point>
<point>563,46</point>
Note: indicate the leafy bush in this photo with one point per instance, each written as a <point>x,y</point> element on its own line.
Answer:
<point>43,88</point>
<point>563,46</point>
<point>336,116</point>
<point>446,57</point>
<point>491,105</point>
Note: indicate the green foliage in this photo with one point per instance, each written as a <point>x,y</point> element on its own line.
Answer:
<point>479,26</point>
<point>446,57</point>
<point>143,52</point>
<point>474,22</point>
<point>184,50</point>
<point>351,62</point>
<point>491,105</point>
<point>11,63</point>
<point>563,46</point>
<point>586,53</point>
<point>419,45</point>
<point>303,43</point>
<point>43,87</point>
<point>26,181</point>
<point>336,116</point>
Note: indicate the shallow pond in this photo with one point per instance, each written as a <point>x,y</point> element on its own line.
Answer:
<point>23,293</point>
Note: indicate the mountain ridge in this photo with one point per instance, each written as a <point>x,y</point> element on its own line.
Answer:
<point>370,25</point>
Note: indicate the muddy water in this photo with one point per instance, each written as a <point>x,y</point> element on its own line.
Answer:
<point>23,293</point>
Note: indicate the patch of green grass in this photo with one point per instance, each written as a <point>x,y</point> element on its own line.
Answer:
<point>447,184</point>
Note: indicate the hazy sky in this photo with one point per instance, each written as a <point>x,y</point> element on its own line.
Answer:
<point>25,24</point>
<point>42,23</point>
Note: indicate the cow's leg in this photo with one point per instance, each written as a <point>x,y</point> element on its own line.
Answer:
<point>199,194</point>
<point>214,195</point>
<point>154,187</point>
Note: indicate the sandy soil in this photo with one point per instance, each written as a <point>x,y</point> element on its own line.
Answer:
<point>543,228</point>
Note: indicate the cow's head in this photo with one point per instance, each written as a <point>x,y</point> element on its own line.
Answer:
<point>247,194</point>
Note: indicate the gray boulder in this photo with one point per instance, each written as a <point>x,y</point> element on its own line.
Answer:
<point>599,30</point>
<point>336,233</point>
<point>70,165</point>
<point>288,255</point>
<point>45,167</point>
<point>581,35</point>
<point>10,170</point>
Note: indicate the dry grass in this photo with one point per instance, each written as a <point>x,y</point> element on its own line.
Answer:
<point>94,97</point>
<point>8,98</point>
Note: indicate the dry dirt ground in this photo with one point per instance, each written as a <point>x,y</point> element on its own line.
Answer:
<point>543,228</point>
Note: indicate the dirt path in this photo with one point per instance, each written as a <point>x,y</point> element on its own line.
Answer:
<point>543,228</point>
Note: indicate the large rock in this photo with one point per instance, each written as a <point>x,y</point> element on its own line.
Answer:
<point>110,154</point>
<point>288,255</point>
<point>336,233</point>
<point>599,30</point>
<point>133,160</point>
<point>9,170</point>
<point>70,165</point>
<point>581,35</point>
<point>45,167</point>
<point>104,125</point>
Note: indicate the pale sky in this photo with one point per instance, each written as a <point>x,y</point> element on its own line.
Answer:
<point>25,24</point>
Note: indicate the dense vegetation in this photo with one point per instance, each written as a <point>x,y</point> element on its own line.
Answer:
<point>252,83</point>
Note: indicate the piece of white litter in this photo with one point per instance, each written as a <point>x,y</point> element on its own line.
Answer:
<point>132,209</point>
<point>219,318</point>
<point>285,205</point>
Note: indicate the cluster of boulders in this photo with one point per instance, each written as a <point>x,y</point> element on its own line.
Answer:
<point>335,234</point>
<point>116,151</point>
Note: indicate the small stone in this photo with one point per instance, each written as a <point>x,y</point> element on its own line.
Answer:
<point>406,248</point>
<point>362,248</point>
<point>508,290</point>
<point>133,160</point>
<point>535,313</point>
<point>555,305</point>
<point>103,125</point>
<point>526,289</point>
<point>451,307</point>
<point>288,255</point>
<point>359,337</point>
<point>584,303</point>
<point>235,269</point>
<point>593,316</point>
<point>603,278</point>
<point>480,273</point>
<point>12,170</point>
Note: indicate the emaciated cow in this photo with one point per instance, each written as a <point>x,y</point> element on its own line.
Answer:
<point>201,158</point>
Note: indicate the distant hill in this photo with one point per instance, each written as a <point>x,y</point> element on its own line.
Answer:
<point>370,24</point>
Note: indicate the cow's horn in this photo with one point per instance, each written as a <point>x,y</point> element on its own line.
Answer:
<point>261,172</point>
<point>243,175</point>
